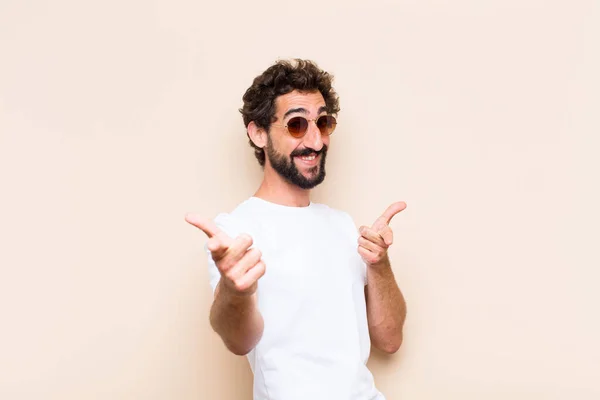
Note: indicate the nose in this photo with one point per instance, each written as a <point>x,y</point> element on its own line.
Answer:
<point>313,138</point>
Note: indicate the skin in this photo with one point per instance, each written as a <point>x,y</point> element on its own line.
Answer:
<point>275,188</point>
<point>234,314</point>
<point>386,307</point>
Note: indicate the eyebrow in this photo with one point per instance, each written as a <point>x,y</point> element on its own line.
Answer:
<point>302,110</point>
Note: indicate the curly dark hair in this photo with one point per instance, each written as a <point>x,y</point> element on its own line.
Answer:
<point>281,78</point>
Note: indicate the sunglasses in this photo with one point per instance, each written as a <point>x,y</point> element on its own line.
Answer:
<point>297,126</point>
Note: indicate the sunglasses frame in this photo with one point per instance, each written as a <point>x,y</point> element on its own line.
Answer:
<point>309,120</point>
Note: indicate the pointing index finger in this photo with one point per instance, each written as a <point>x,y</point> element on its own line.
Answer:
<point>205,225</point>
<point>388,214</point>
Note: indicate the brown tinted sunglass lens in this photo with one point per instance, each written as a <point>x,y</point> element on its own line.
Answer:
<point>326,124</point>
<point>297,126</point>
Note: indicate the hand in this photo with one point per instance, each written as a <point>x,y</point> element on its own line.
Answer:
<point>240,267</point>
<point>374,241</point>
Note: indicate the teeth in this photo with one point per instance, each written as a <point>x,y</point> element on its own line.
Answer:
<point>309,158</point>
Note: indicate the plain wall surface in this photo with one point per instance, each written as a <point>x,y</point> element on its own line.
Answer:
<point>118,117</point>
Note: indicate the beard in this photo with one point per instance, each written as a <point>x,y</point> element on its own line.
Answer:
<point>286,167</point>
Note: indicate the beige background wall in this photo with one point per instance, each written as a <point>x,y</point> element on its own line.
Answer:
<point>117,117</point>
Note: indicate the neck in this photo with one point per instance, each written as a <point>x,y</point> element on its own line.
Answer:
<point>277,190</point>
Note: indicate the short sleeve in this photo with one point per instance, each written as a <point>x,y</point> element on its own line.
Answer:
<point>225,223</point>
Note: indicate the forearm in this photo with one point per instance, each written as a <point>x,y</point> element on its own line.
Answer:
<point>237,320</point>
<point>386,308</point>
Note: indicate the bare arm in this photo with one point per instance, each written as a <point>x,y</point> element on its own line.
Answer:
<point>237,320</point>
<point>386,308</point>
<point>234,314</point>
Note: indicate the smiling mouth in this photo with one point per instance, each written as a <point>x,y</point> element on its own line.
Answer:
<point>308,158</point>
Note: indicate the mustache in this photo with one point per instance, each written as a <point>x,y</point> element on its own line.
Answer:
<point>308,151</point>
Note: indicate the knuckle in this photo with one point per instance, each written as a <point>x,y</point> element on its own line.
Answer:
<point>256,253</point>
<point>262,272</point>
<point>224,264</point>
<point>246,239</point>
<point>221,266</point>
<point>230,276</point>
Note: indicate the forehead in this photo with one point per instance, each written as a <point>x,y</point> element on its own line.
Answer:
<point>311,101</point>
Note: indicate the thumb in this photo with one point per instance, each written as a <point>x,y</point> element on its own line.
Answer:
<point>217,247</point>
<point>387,215</point>
<point>205,225</point>
<point>218,241</point>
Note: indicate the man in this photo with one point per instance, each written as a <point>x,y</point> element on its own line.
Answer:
<point>296,288</point>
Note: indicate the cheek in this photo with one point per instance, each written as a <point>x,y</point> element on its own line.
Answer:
<point>284,145</point>
<point>291,146</point>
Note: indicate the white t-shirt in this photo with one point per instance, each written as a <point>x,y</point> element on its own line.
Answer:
<point>315,343</point>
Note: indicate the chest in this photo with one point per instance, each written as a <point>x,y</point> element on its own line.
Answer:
<point>308,255</point>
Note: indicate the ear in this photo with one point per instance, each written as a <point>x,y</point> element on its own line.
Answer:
<point>257,135</point>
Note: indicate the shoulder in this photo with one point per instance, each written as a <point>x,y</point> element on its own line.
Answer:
<point>242,219</point>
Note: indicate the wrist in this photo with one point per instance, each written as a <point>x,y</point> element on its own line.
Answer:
<point>235,296</point>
